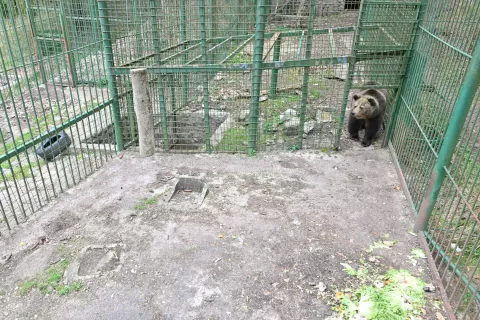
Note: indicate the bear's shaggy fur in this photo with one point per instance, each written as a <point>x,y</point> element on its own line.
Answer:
<point>368,109</point>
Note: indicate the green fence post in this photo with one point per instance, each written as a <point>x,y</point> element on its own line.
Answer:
<point>158,59</point>
<point>276,57</point>
<point>109,63</point>
<point>306,72</point>
<point>413,48</point>
<point>203,36</point>
<point>256,76</point>
<point>183,37</point>
<point>463,103</point>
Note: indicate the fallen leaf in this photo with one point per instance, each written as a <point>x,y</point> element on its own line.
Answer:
<point>412,233</point>
<point>220,235</point>
<point>387,235</point>
<point>439,316</point>
<point>418,253</point>
<point>338,295</point>
<point>398,188</point>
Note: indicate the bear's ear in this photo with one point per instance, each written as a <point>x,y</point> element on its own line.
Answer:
<point>356,97</point>
<point>372,101</point>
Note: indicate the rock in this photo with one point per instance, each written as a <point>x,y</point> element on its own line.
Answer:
<point>199,99</point>
<point>429,288</point>
<point>291,126</point>
<point>324,116</point>
<point>218,77</point>
<point>200,88</point>
<point>309,126</point>
<point>243,115</point>
<point>263,98</point>
<point>288,114</point>
<point>322,287</point>
<point>4,259</point>
<point>269,142</point>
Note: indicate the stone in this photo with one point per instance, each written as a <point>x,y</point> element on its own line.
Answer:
<point>291,126</point>
<point>323,116</point>
<point>243,115</point>
<point>218,77</point>
<point>263,98</point>
<point>287,115</point>
<point>309,126</point>
<point>200,88</point>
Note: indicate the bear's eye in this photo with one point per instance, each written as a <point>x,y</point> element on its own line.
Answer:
<point>361,108</point>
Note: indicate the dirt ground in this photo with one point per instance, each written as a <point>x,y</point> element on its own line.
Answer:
<point>270,230</point>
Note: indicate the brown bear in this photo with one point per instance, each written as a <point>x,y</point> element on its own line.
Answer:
<point>368,109</point>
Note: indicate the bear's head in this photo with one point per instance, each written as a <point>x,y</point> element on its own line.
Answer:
<point>364,107</point>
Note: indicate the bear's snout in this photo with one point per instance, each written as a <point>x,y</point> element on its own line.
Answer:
<point>353,113</point>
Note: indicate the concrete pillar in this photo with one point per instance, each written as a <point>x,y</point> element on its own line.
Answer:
<point>143,111</point>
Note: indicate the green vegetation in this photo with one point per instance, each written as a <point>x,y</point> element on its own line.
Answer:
<point>240,58</point>
<point>19,172</point>
<point>396,295</point>
<point>145,203</point>
<point>50,280</point>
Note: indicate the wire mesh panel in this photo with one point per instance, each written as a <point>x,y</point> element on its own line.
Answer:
<point>52,94</point>
<point>231,75</point>
<point>442,52</point>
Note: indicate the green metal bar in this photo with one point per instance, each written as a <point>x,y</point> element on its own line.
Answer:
<point>300,45</point>
<point>332,42</point>
<point>237,50</point>
<point>210,19</point>
<point>183,38</point>
<point>18,150</point>
<point>306,72</point>
<point>256,76</point>
<point>109,64</point>
<point>206,95</point>
<point>454,266</point>
<point>70,59</point>
<point>38,50</point>
<point>414,45</point>
<point>94,19</point>
<point>276,57</point>
<point>209,50</point>
<point>266,66</point>
<point>138,30</point>
<point>464,101</point>
<point>158,62</point>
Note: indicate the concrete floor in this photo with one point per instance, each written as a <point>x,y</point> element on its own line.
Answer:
<point>271,228</point>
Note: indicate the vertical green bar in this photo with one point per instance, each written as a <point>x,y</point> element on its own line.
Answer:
<point>94,17</point>
<point>210,19</point>
<point>158,58</point>
<point>131,112</point>
<point>70,58</point>
<point>276,57</point>
<point>306,72</point>
<point>408,68</point>
<point>38,50</point>
<point>349,79</point>
<point>138,29</point>
<point>109,64</point>
<point>256,76</point>
<point>463,103</point>
<point>203,36</point>
<point>183,37</point>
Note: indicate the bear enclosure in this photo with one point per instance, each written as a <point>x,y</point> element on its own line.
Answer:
<point>245,76</point>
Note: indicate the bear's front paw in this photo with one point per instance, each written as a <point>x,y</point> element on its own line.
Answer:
<point>366,143</point>
<point>354,137</point>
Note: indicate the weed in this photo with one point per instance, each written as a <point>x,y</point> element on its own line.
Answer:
<point>295,147</point>
<point>240,58</point>
<point>49,281</point>
<point>145,203</point>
